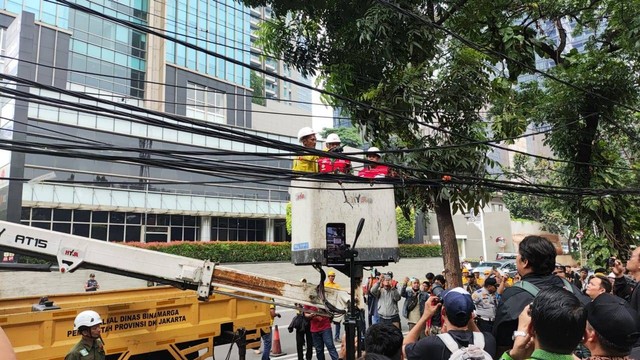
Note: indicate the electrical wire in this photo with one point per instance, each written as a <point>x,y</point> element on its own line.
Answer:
<point>27,94</point>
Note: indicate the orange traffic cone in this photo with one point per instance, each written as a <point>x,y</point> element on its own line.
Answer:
<point>276,349</point>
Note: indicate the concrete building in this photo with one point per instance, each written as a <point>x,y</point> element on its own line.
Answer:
<point>64,49</point>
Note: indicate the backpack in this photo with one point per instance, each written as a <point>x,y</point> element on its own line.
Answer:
<point>533,290</point>
<point>474,351</point>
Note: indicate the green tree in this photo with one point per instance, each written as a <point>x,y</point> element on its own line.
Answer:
<point>590,108</point>
<point>406,226</point>
<point>428,65</point>
<point>257,84</point>
<point>421,77</point>
<point>348,135</point>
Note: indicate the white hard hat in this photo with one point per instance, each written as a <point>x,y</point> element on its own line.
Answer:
<point>333,138</point>
<point>305,131</point>
<point>86,318</point>
<point>374,150</point>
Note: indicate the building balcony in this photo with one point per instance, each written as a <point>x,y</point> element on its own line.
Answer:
<point>53,195</point>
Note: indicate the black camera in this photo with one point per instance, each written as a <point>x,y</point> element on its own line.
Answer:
<point>611,262</point>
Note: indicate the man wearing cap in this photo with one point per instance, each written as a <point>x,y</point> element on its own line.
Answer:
<point>612,328</point>
<point>388,296</point>
<point>535,261</point>
<point>554,323</point>
<point>331,283</point>
<point>306,163</point>
<point>485,302</point>
<point>457,310</point>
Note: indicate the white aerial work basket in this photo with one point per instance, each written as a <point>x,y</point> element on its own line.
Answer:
<point>325,217</point>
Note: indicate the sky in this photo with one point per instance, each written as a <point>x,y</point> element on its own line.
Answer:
<point>322,115</point>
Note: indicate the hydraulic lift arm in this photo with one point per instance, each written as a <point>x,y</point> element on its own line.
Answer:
<point>72,252</point>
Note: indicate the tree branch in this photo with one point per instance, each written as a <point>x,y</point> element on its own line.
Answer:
<point>457,6</point>
<point>431,11</point>
<point>562,34</point>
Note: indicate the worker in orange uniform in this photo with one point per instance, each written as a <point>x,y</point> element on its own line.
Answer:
<point>331,283</point>
<point>306,163</point>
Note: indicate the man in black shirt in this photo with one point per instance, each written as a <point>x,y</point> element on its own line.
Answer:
<point>536,261</point>
<point>457,310</point>
<point>633,267</point>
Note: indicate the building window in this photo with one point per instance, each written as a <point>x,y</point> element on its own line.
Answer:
<point>205,104</point>
<point>3,45</point>
<point>113,226</point>
<point>238,229</point>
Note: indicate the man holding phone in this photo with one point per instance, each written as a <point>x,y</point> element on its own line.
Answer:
<point>622,285</point>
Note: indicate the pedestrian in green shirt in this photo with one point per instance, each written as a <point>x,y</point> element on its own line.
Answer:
<point>550,328</point>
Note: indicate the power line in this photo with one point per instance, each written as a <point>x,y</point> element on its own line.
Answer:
<point>300,84</point>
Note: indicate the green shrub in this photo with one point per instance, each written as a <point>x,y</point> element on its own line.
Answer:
<point>237,251</point>
<point>419,251</point>
<point>224,251</point>
<point>241,251</point>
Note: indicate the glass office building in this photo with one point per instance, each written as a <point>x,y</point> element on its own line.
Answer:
<point>277,89</point>
<point>91,76</point>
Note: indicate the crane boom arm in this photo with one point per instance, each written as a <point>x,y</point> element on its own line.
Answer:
<point>72,252</point>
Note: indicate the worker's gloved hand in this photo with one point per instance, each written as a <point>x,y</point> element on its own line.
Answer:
<point>278,315</point>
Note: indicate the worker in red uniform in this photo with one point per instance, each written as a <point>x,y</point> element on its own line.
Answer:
<point>374,170</point>
<point>333,165</point>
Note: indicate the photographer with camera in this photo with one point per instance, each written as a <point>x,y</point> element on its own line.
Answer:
<point>388,295</point>
<point>622,284</point>
<point>438,288</point>
<point>459,331</point>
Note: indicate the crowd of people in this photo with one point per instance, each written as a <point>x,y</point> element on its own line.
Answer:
<point>551,312</point>
<point>548,311</point>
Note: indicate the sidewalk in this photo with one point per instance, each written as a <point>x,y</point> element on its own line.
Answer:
<point>22,283</point>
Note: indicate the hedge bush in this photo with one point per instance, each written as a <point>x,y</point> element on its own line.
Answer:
<point>419,251</point>
<point>224,251</point>
<point>239,251</point>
